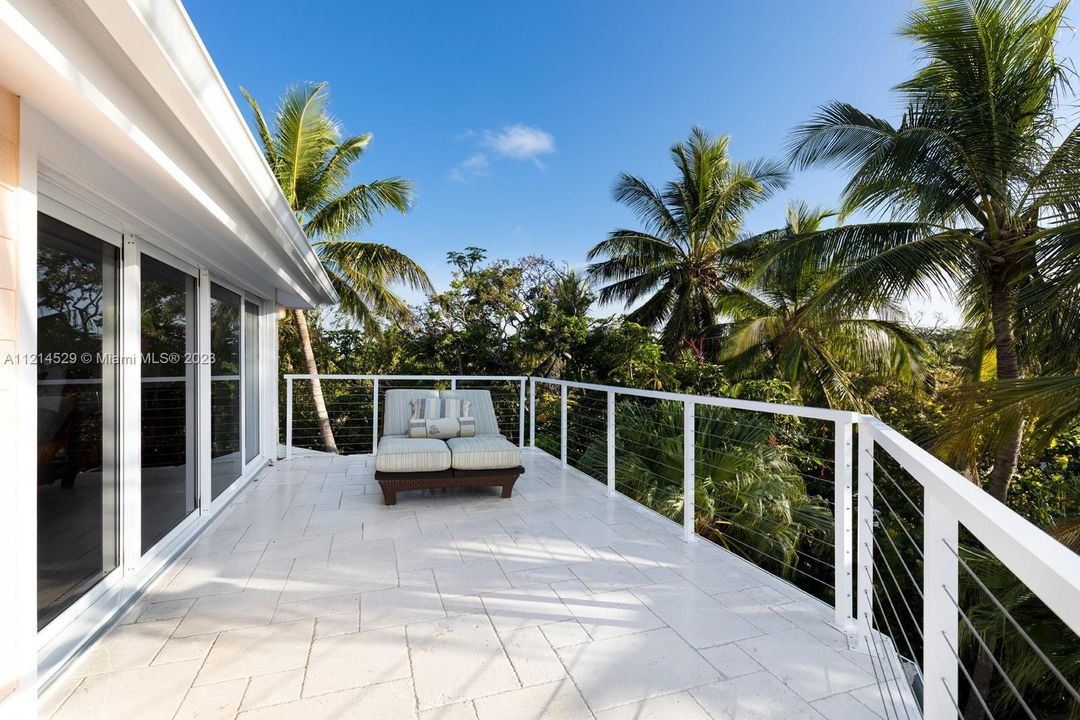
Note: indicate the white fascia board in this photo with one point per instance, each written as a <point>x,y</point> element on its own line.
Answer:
<point>40,59</point>
<point>160,39</point>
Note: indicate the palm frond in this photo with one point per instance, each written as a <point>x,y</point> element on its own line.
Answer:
<point>267,140</point>
<point>359,207</point>
<point>362,274</point>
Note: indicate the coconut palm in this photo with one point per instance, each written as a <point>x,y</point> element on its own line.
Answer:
<point>784,322</point>
<point>312,160</point>
<point>677,264</point>
<point>978,188</point>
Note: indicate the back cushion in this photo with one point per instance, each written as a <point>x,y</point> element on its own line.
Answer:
<point>397,408</point>
<point>441,407</point>
<point>482,409</point>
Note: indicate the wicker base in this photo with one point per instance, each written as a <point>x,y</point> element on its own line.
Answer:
<point>394,482</point>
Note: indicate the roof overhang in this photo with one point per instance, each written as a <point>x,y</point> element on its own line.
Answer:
<point>133,83</point>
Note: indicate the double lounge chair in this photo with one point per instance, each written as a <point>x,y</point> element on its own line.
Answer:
<point>486,459</point>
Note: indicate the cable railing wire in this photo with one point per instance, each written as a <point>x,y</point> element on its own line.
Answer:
<point>1016,626</point>
<point>989,654</point>
<point>895,667</point>
<point>875,652</point>
<point>971,682</point>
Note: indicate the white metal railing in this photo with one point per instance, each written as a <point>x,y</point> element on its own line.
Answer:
<point>949,502</point>
<point>378,384</point>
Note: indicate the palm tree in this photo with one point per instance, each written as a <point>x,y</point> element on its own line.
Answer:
<point>784,322</point>
<point>980,192</point>
<point>312,161</point>
<point>678,263</point>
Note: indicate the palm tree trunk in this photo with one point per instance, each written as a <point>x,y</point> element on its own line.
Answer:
<point>321,415</point>
<point>981,676</point>
<point>1006,459</point>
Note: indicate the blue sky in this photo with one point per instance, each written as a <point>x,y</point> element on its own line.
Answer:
<point>514,118</point>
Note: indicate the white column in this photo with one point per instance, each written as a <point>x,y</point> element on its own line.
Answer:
<point>268,408</point>
<point>941,617</point>
<point>689,469</point>
<point>243,382</point>
<point>611,442</point>
<point>18,622</point>
<point>203,392</point>
<point>521,413</point>
<point>562,424</point>
<point>288,417</point>
<point>191,384</point>
<point>865,535</point>
<point>842,535</point>
<point>532,412</point>
<point>375,416</point>
<point>129,378</point>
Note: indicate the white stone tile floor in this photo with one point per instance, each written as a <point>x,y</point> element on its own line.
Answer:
<point>308,598</point>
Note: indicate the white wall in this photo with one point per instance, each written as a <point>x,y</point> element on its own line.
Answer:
<point>12,642</point>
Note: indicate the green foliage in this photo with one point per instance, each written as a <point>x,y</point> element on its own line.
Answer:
<point>681,260</point>
<point>785,317</point>
<point>750,495</point>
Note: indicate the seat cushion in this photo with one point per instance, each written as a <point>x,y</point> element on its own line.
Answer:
<point>484,452</point>
<point>398,453</point>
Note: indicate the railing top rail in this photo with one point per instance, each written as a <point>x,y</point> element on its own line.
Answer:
<point>321,376</point>
<point>1048,568</point>
<point>715,401</point>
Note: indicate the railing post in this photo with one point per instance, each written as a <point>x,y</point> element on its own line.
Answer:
<point>842,536</point>
<point>562,418</point>
<point>532,412</point>
<point>521,413</point>
<point>689,470</point>
<point>288,418</point>
<point>941,618</point>
<point>865,534</point>
<point>611,442</point>
<point>375,416</point>
<point>453,383</point>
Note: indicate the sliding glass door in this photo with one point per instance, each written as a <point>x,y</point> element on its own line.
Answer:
<point>251,381</point>
<point>81,535</point>
<point>168,398</point>
<point>226,463</point>
<point>77,494</point>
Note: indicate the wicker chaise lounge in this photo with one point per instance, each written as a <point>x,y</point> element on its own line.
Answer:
<point>403,463</point>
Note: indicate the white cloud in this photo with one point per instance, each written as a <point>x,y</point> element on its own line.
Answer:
<point>471,167</point>
<point>519,142</point>
<point>513,142</point>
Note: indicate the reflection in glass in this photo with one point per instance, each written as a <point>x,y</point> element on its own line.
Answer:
<point>251,381</point>
<point>225,460</point>
<point>168,399</point>
<point>76,417</point>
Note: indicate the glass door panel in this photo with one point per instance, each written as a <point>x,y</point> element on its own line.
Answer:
<point>251,381</point>
<point>225,461</point>
<point>77,414</point>
<point>168,399</point>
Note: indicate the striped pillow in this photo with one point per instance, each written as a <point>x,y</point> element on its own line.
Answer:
<point>439,408</point>
<point>441,418</point>
<point>442,428</point>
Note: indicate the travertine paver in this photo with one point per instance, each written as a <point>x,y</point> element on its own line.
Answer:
<point>308,598</point>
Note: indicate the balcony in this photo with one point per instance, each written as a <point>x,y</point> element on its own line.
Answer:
<point>307,597</point>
